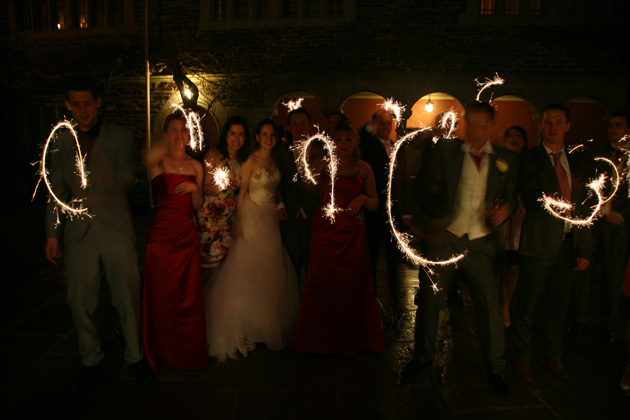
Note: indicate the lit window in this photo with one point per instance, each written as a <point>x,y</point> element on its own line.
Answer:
<point>488,7</point>
<point>335,8</point>
<point>512,7</point>
<point>535,7</point>
<point>37,15</point>
<point>311,8</point>
<point>567,8</point>
<point>240,9</point>
<point>289,8</point>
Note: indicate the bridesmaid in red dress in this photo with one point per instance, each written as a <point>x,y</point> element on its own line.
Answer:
<point>339,314</point>
<point>174,329</point>
<point>625,289</point>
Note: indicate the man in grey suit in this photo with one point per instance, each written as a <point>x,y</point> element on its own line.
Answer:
<point>297,204</point>
<point>551,250</point>
<point>107,237</point>
<point>465,190</point>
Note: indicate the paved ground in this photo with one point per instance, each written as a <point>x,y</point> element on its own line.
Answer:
<point>38,355</point>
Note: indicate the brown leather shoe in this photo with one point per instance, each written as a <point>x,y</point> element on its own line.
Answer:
<point>557,369</point>
<point>523,370</point>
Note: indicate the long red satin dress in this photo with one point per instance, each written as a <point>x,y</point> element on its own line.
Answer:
<point>174,327</point>
<point>339,314</point>
<point>625,286</point>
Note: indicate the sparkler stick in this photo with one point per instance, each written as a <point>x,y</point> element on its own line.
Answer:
<point>81,172</point>
<point>293,105</point>
<point>403,238</point>
<point>394,107</point>
<point>489,82</point>
<point>303,147</point>
<point>550,204</point>
<point>194,128</point>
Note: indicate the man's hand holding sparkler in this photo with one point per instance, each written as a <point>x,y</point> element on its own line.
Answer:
<point>52,249</point>
<point>581,264</point>
<point>498,215</point>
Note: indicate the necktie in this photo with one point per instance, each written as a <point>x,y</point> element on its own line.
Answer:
<point>563,178</point>
<point>86,142</point>
<point>477,158</point>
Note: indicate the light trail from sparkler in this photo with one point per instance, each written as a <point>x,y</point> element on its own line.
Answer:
<point>489,82</point>
<point>550,204</point>
<point>195,133</point>
<point>293,105</point>
<point>221,177</point>
<point>394,107</point>
<point>616,181</point>
<point>302,148</point>
<point>449,120</point>
<point>81,172</point>
<point>403,239</point>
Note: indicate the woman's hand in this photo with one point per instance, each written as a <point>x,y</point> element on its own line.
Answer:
<point>356,204</point>
<point>186,187</point>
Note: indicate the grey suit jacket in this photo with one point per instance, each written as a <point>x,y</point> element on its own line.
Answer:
<point>543,233</point>
<point>109,175</point>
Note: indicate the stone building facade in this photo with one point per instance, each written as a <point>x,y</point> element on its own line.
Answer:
<point>245,56</point>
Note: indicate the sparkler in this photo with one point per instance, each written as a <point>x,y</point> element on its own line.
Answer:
<point>194,128</point>
<point>616,178</point>
<point>550,204</point>
<point>394,107</point>
<point>489,82</point>
<point>403,239</point>
<point>449,120</point>
<point>81,172</point>
<point>303,147</point>
<point>293,105</point>
<point>221,177</point>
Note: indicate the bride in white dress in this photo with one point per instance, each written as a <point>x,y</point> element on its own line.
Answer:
<point>253,297</point>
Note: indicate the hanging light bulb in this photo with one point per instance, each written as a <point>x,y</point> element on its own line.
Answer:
<point>428,107</point>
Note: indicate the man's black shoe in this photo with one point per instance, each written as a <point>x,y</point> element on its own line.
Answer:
<point>143,371</point>
<point>607,336</point>
<point>498,384</point>
<point>575,328</point>
<point>412,368</point>
<point>84,376</point>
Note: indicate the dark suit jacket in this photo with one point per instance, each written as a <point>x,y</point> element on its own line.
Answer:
<point>109,175</point>
<point>542,233</point>
<point>291,192</point>
<point>374,154</point>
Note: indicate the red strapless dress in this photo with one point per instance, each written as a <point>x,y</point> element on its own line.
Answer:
<point>339,313</point>
<point>174,327</point>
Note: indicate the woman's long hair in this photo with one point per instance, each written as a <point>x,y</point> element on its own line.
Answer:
<point>243,152</point>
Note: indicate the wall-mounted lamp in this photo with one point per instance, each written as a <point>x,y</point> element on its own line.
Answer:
<point>428,107</point>
<point>187,89</point>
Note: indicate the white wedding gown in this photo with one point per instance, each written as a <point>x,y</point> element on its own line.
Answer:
<point>253,297</point>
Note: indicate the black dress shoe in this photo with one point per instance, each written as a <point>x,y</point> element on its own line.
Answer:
<point>607,336</point>
<point>143,372</point>
<point>84,376</point>
<point>412,368</point>
<point>575,328</point>
<point>498,384</point>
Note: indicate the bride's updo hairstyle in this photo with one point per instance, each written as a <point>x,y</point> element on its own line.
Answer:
<point>350,130</point>
<point>261,124</point>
